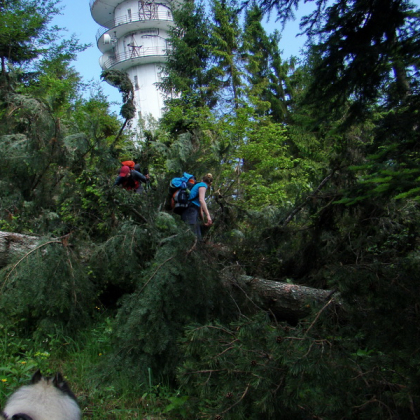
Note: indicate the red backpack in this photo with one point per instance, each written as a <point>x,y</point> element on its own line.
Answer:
<point>128,163</point>
<point>130,184</point>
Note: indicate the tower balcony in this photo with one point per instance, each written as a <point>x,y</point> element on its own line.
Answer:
<point>137,56</point>
<point>103,10</point>
<point>122,25</point>
<point>164,18</point>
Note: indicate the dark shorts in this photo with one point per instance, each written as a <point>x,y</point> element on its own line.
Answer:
<point>191,217</point>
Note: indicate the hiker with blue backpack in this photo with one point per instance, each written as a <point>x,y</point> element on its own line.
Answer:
<point>179,192</point>
<point>197,206</point>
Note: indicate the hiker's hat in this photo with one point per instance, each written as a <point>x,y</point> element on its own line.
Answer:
<point>124,171</point>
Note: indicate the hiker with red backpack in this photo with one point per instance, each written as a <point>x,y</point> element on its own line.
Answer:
<point>130,179</point>
<point>197,207</point>
<point>136,166</point>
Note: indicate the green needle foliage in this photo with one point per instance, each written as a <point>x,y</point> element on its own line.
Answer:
<point>24,30</point>
<point>121,81</point>
<point>188,70</point>
<point>46,291</point>
<point>179,286</point>
<point>315,169</point>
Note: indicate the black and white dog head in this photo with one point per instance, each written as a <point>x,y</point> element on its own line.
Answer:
<point>44,399</point>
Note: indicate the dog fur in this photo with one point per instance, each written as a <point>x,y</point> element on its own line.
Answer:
<point>44,399</point>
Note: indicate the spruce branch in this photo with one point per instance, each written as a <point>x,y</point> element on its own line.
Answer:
<point>25,256</point>
<point>154,274</point>
<point>373,400</point>
<point>216,328</point>
<point>193,247</point>
<point>237,402</point>
<point>229,348</point>
<point>317,316</point>
<point>119,134</point>
<point>205,371</point>
<point>412,407</point>
<point>236,304</point>
<point>138,214</point>
<point>247,296</point>
<point>297,209</point>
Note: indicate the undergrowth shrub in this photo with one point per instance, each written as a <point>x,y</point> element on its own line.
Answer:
<point>255,369</point>
<point>46,290</point>
<point>116,264</point>
<point>179,286</point>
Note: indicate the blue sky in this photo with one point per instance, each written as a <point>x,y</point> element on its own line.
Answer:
<point>76,18</point>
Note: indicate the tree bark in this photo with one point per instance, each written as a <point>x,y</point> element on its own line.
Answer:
<point>285,301</point>
<point>15,244</point>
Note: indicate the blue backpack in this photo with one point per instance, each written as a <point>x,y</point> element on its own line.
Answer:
<point>179,190</point>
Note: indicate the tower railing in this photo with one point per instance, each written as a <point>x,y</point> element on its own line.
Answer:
<point>136,52</point>
<point>134,17</point>
<point>92,2</point>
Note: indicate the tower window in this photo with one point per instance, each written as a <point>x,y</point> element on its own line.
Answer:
<point>136,83</point>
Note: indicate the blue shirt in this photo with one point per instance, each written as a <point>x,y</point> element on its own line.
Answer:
<point>193,198</point>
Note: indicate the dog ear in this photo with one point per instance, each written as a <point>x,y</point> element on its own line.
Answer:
<point>58,380</point>
<point>37,376</point>
<point>62,385</point>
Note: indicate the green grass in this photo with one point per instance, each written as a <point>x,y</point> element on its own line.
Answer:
<point>82,361</point>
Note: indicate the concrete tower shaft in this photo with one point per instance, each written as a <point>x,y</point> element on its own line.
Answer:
<point>133,38</point>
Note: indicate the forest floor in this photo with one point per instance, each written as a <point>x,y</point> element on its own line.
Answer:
<point>82,361</point>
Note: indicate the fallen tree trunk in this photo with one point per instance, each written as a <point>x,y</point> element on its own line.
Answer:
<point>285,301</point>
<point>15,244</point>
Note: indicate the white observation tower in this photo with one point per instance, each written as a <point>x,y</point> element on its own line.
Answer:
<point>133,38</point>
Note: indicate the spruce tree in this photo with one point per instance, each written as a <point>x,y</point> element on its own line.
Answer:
<point>267,74</point>
<point>24,31</point>
<point>187,70</point>
<point>226,49</point>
